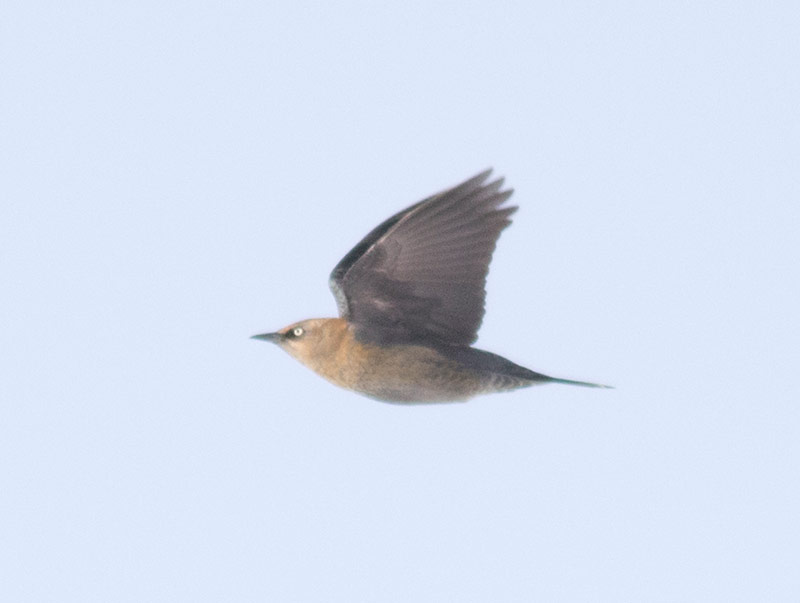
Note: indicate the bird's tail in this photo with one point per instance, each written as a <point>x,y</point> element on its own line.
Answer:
<point>581,383</point>
<point>500,367</point>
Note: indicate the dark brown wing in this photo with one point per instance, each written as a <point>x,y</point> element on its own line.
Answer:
<point>421,273</point>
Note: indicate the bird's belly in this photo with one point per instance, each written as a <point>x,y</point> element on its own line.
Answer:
<point>415,374</point>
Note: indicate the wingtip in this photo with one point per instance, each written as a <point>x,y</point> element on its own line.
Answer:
<point>477,180</point>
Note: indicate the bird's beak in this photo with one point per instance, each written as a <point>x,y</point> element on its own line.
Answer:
<point>273,337</point>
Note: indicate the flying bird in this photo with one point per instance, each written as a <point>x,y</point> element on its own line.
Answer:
<point>411,299</point>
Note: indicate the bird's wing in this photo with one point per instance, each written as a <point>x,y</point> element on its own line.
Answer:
<point>421,273</point>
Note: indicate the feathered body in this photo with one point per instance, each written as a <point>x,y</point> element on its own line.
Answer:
<point>411,300</point>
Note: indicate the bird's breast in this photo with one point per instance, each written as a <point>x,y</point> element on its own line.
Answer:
<point>397,373</point>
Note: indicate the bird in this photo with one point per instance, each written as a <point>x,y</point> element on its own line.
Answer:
<point>410,297</point>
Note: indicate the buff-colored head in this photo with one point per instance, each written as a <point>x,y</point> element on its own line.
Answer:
<point>308,340</point>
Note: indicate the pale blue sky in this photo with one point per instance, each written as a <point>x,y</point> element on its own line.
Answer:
<point>179,176</point>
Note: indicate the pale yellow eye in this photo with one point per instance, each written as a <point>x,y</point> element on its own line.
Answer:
<point>297,331</point>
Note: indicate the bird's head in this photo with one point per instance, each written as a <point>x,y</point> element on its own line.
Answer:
<point>306,339</point>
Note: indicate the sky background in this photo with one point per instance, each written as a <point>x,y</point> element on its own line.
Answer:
<point>179,176</point>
